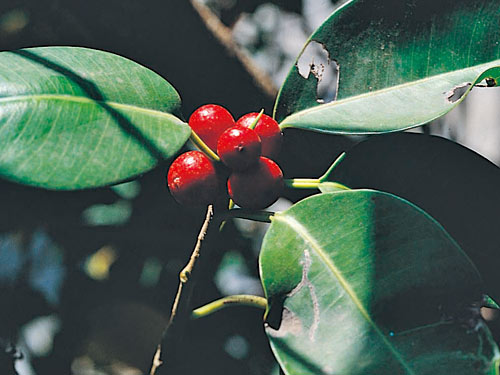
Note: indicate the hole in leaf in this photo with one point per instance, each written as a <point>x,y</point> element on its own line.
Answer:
<point>488,314</point>
<point>457,92</point>
<point>491,82</point>
<point>487,82</point>
<point>315,60</point>
<point>289,324</point>
<point>275,313</point>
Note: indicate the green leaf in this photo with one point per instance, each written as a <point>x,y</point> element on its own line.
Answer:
<point>362,282</point>
<point>455,185</point>
<point>330,187</point>
<point>490,303</point>
<point>74,118</point>
<point>401,64</point>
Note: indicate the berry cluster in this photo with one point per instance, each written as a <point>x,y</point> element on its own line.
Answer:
<point>245,148</point>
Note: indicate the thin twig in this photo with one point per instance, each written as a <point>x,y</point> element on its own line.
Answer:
<point>157,362</point>
<point>181,301</point>
<point>224,36</point>
<point>188,270</point>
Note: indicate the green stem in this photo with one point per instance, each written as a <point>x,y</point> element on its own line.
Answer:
<point>302,183</point>
<point>314,183</point>
<point>254,123</point>
<point>311,183</point>
<point>240,213</point>
<point>230,206</point>
<point>332,167</point>
<point>203,147</point>
<point>238,300</point>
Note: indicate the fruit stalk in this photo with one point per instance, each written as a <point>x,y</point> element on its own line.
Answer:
<point>203,147</point>
<point>252,125</point>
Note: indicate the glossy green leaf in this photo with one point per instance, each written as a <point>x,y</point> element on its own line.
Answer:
<point>362,282</point>
<point>401,64</point>
<point>73,118</point>
<point>455,185</point>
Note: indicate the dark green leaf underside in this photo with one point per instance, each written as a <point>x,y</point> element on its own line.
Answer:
<point>74,118</point>
<point>401,64</point>
<point>362,282</point>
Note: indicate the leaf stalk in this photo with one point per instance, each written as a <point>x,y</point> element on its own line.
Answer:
<point>236,300</point>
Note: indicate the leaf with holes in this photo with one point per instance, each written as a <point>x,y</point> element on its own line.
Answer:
<point>74,118</point>
<point>400,64</point>
<point>362,282</point>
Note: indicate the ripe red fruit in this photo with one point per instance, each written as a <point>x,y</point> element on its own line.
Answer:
<point>209,122</point>
<point>258,187</point>
<point>268,130</point>
<point>239,147</point>
<point>193,179</point>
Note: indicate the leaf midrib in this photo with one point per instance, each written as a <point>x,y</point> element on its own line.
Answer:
<point>492,64</point>
<point>303,232</point>
<point>86,100</point>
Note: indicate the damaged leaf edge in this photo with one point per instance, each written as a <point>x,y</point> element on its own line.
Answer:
<point>320,73</point>
<point>494,368</point>
<point>309,40</point>
<point>492,73</point>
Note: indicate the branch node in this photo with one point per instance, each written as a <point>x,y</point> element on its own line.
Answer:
<point>180,297</point>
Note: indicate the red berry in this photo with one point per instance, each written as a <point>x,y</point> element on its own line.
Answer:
<point>193,179</point>
<point>209,122</point>
<point>239,147</point>
<point>268,130</point>
<point>258,187</point>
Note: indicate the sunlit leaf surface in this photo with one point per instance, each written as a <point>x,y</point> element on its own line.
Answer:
<point>73,118</point>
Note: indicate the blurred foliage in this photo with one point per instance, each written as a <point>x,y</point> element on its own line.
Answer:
<point>230,10</point>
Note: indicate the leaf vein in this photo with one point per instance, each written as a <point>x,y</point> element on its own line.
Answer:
<point>303,232</point>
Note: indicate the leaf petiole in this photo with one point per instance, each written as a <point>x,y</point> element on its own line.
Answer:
<point>240,213</point>
<point>317,183</point>
<point>313,183</point>
<point>236,300</point>
<point>332,167</point>
<point>302,183</point>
